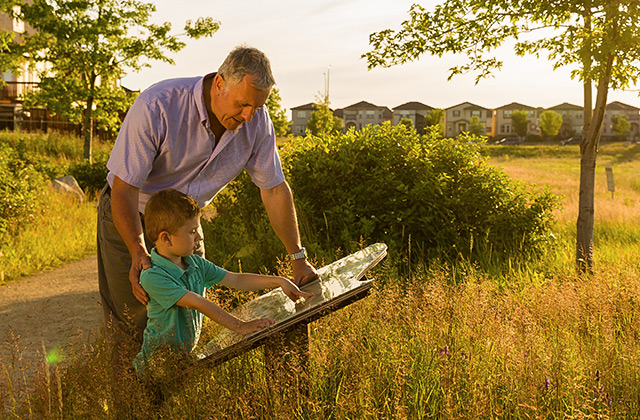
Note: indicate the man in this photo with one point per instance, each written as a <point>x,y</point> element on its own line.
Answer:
<point>194,135</point>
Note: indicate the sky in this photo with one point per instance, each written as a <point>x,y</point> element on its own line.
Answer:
<point>310,42</point>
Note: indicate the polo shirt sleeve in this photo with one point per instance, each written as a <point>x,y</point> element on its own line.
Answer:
<point>138,142</point>
<point>264,165</point>
<point>161,287</point>
<point>212,273</point>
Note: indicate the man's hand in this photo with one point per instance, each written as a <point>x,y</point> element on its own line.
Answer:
<point>292,291</point>
<point>138,263</point>
<point>248,327</point>
<point>303,272</point>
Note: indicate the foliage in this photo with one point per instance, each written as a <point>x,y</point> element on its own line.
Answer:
<point>520,122</point>
<point>277,114</point>
<point>406,122</point>
<point>476,127</point>
<point>83,48</point>
<point>322,121</point>
<point>91,176</point>
<point>389,184</point>
<point>621,125</point>
<point>21,188</point>
<point>435,117</point>
<point>550,123</point>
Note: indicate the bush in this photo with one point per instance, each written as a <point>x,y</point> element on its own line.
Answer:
<point>422,193</point>
<point>91,176</point>
<point>21,186</point>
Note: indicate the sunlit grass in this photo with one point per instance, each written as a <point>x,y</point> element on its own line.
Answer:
<point>64,231</point>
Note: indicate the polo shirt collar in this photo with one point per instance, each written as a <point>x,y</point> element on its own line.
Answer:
<point>172,269</point>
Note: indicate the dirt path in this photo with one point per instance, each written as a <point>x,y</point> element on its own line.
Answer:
<point>58,307</point>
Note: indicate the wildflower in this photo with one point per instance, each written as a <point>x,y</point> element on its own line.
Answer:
<point>444,351</point>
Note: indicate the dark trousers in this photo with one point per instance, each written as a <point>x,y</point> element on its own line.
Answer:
<point>124,315</point>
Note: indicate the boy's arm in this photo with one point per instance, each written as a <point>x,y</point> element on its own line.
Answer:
<point>220,316</point>
<point>247,281</point>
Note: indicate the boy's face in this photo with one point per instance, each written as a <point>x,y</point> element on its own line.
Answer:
<point>186,239</point>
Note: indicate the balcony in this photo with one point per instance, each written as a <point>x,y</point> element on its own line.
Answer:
<point>12,92</point>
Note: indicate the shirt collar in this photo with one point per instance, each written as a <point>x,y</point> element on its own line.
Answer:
<point>198,91</point>
<point>172,269</point>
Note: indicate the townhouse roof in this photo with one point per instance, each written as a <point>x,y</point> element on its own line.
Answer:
<point>411,106</point>
<point>565,106</point>
<point>516,105</point>
<point>469,105</point>
<point>363,105</point>
<point>309,106</point>
<point>619,106</point>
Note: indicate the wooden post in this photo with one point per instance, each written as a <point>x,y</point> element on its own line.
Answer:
<point>286,357</point>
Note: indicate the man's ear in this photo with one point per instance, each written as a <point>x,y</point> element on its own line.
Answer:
<point>165,238</point>
<point>218,84</point>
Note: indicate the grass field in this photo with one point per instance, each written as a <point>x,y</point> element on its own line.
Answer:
<point>535,342</point>
<point>617,215</point>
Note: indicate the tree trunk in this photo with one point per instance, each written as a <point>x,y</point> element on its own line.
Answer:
<point>588,154</point>
<point>87,127</point>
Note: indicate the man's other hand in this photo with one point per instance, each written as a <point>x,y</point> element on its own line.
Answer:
<point>138,263</point>
<point>303,272</point>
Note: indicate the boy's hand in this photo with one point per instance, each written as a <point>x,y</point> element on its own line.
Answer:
<point>248,327</point>
<point>292,291</point>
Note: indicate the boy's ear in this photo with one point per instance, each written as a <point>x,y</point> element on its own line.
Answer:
<point>165,237</point>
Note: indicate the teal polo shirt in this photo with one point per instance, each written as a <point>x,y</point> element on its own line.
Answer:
<point>168,323</point>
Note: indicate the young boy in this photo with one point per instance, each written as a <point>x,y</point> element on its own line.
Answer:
<point>177,280</point>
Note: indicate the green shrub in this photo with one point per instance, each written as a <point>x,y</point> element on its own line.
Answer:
<point>91,176</point>
<point>436,197</point>
<point>21,186</point>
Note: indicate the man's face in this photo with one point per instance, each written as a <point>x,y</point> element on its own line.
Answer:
<point>238,104</point>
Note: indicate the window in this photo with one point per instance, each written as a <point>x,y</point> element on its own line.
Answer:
<point>456,113</point>
<point>301,114</point>
<point>371,114</point>
<point>507,113</point>
<point>18,25</point>
<point>476,113</point>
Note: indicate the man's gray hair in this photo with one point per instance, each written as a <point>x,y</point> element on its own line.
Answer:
<point>242,61</point>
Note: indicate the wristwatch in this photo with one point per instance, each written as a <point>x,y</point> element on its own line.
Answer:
<point>298,255</point>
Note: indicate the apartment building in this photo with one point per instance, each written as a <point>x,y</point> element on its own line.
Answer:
<point>15,84</point>
<point>572,119</point>
<point>414,111</point>
<point>457,119</point>
<point>502,125</point>
<point>300,117</point>
<point>614,110</point>
<point>364,113</point>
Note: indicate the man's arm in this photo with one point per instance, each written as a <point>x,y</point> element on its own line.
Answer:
<point>278,202</point>
<point>220,316</point>
<point>248,281</point>
<point>124,208</point>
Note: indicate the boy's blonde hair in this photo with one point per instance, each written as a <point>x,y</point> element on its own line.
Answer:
<point>167,211</point>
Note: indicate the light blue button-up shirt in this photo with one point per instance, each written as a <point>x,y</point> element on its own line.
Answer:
<point>166,142</point>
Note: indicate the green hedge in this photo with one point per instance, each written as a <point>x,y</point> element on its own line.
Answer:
<point>437,196</point>
<point>21,187</point>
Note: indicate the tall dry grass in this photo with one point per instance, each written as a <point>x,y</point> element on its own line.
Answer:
<point>532,341</point>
